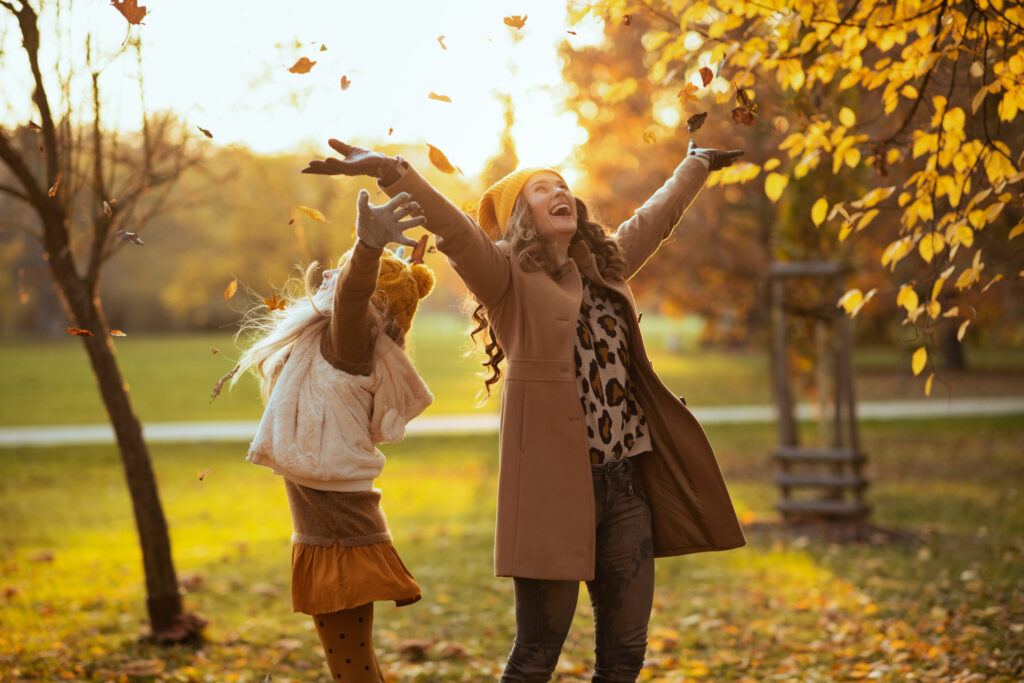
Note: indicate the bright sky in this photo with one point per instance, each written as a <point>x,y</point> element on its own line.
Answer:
<point>216,63</point>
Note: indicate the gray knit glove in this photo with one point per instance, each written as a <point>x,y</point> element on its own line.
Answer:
<point>376,226</point>
<point>714,159</point>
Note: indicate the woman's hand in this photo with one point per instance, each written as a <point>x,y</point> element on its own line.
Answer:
<point>715,158</point>
<point>357,161</point>
<point>378,225</point>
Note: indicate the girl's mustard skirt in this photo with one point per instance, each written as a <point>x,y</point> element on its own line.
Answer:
<point>342,555</point>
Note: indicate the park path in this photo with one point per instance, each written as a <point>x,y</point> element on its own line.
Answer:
<point>184,432</point>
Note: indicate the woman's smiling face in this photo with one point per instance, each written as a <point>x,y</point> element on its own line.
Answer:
<point>553,206</point>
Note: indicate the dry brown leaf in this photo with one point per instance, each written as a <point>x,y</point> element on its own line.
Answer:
<point>706,75</point>
<point>275,303</point>
<point>516,21</point>
<point>419,250</point>
<point>53,190</point>
<point>440,98</point>
<point>627,20</point>
<point>79,332</point>
<point>220,383</point>
<point>130,237</point>
<point>323,48</point>
<point>203,473</point>
<point>230,290</point>
<point>130,10</point>
<point>687,93</point>
<point>440,161</point>
<point>390,131</point>
<point>345,82</point>
<point>302,66</point>
<point>205,132</point>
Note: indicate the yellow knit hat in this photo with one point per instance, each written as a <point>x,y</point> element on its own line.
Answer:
<point>401,286</point>
<point>497,202</point>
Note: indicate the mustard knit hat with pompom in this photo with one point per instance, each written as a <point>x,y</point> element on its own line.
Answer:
<point>497,202</point>
<point>401,286</point>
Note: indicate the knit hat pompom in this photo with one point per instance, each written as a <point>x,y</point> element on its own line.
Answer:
<point>497,202</point>
<point>400,287</point>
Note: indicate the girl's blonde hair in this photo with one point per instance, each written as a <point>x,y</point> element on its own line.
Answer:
<point>533,252</point>
<point>307,313</point>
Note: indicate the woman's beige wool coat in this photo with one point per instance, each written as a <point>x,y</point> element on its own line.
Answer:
<point>546,524</point>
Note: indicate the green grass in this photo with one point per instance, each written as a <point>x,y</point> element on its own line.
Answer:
<point>170,377</point>
<point>943,605</point>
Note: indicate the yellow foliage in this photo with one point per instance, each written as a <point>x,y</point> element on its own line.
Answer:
<point>919,360</point>
<point>819,210</point>
<point>774,184</point>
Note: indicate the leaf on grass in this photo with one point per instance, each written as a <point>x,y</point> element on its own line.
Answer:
<point>204,131</point>
<point>117,333</point>
<point>440,40</point>
<point>440,161</point>
<point>742,116</point>
<point>516,21</point>
<point>130,237</point>
<point>919,359</point>
<point>203,473</point>
<point>230,290</point>
<point>274,303</point>
<point>106,209</point>
<point>79,332</point>
<point>694,123</point>
<point>312,213</point>
<point>302,66</point>
<point>440,98</point>
<point>220,383</point>
<point>687,92</point>
<point>130,10</point>
<point>706,75</point>
<point>345,82</point>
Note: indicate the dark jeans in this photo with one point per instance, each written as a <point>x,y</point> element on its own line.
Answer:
<point>621,593</point>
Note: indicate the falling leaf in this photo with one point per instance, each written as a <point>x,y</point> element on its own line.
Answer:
<point>847,117</point>
<point>117,333</point>
<point>706,75</point>
<point>323,48</point>
<point>291,221</point>
<point>312,213</point>
<point>918,361</point>
<point>516,21</point>
<point>687,93</point>
<point>928,385</point>
<point>345,82</point>
<point>742,116</point>
<point>390,131</point>
<point>130,10</point>
<point>419,250</point>
<point>203,473</point>
<point>79,332</point>
<point>205,132</point>
<point>107,210</point>
<point>850,300</point>
<point>440,98</point>
<point>649,137</point>
<point>275,304</point>
<point>230,290</point>
<point>439,160</point>
<point>572,33</point>
<point>627,20</point>
<point>130,237</point>
<point>440,40</point>
<point>694,123</point>
<point>747,109</point>
<point>53,190</point>
<point>963,329</point>
<point>774,184</point>
<point>220,383</point>
<point>214,351</point>
<point>302,66</point>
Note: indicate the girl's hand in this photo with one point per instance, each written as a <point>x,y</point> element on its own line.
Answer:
<point>357,161</point>
<point>378,225</point>
<point>716,158</point>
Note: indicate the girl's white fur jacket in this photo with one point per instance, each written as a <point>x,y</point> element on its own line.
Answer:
<point>321,424</point>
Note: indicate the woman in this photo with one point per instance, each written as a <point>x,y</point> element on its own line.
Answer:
<point>601,468</point>
<point>336,381</point>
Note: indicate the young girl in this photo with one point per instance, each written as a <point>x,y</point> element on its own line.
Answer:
<point>336,381</point>
<point>602,468</point>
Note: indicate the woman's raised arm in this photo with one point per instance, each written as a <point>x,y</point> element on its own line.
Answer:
<point>478,261</point>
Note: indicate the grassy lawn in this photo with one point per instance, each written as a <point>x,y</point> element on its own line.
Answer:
<point>945,603</point>
<point>171,376</point>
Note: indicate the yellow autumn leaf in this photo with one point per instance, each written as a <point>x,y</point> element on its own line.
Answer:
<point>963,329</point>
<point>819,210</point>
<point>934,308</point>
<point>930,244</point>
<point>230,290</point>
<point>312,213</point>
<point>952,313</point>
<point>847,117</point>
<point>918,361</point>
<point>774,184</point>
<point>928,385</point>
<point>997,278</point>
<point>907,298</point>
<point>440,161</point>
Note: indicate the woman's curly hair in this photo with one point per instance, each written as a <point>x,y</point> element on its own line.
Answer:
<point>533,253</point>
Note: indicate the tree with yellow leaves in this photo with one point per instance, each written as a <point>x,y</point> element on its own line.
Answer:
<point>919,104</point>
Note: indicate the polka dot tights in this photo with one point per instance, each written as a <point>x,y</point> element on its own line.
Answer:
<point>347,638</point>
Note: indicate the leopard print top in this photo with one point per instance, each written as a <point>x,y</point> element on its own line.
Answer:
<point>616,425</point>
